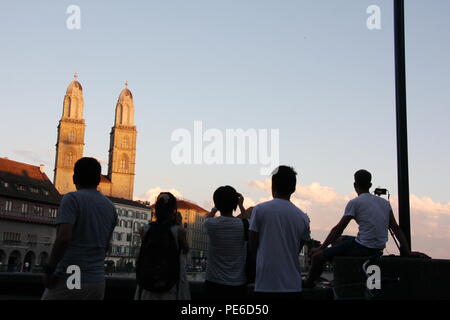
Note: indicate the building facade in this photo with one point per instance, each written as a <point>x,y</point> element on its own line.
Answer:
<point>28,208</point>
<point>126,240</point>
<point>119,182</point>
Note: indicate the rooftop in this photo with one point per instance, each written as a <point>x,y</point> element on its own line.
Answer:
<point>28,182</point>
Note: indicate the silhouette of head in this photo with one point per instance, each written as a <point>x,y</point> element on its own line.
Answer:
<point>363,181</point>
<point>284,181</point>
<point>165,207</point>
<point>87,173</point>
<point>226,199</point>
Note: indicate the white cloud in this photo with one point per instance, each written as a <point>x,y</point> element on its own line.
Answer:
<point>325,207</point>
<point>153,193</point>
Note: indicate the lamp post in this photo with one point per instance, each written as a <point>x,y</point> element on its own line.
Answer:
<point>402,132</point>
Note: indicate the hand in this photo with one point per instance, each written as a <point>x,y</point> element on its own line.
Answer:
<point>240,200</point>
<point>313,251</point>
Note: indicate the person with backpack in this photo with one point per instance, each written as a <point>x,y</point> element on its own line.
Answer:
<point>158,264</point>
<point>227,247</point>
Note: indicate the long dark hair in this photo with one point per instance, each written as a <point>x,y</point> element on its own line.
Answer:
<point>165,207</point>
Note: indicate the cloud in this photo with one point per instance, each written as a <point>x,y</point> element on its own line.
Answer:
<point>153,193</point>
<point>430,220</point>
<point>35,157</point>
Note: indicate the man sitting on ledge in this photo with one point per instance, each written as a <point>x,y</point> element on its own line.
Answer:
<point>374,217</point>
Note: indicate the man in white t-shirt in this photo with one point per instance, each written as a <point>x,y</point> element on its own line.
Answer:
<point>374,217</point>
<point>278,230</point>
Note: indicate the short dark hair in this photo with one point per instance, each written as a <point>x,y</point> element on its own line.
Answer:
<point>284,180</point>
<point>226,199</point>
<point>87,172</point>
<point>363,179</point>
<point>165,207</point>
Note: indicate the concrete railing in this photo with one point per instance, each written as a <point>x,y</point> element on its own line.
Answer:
<point>401,278</point>
<point>28,286</point>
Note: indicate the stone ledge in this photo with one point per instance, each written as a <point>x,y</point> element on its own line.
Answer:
<point>26,286</point>
<point>418,278</point>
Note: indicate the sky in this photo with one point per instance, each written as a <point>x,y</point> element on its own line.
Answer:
<point>310,69</point>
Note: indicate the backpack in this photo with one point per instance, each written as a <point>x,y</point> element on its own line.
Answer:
<point>158,265</point>
<point>250,260</point>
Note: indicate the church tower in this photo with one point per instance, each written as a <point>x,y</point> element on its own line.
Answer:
<point>70,143</point>
<point>122,150</point>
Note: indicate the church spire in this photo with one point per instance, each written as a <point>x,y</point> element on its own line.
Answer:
<point>70,143</point>
<point>122,152</point>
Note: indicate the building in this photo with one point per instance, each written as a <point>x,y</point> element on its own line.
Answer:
<point>119,182</point>
<point>193,219</point>
<point>28,207</point>
<point>126,240</point>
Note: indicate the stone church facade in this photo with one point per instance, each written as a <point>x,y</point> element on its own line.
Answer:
<point>119,182</point>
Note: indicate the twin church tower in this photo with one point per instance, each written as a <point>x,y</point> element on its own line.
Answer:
<point>119,182</point>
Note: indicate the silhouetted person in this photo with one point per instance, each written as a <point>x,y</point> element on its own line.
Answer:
<point>278,230</point>
<point>86,220</point>
<point>161,263</point>
<point>225,270</point>
<point>374,217</point>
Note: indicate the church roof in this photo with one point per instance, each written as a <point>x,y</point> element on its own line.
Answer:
<point>104,179</point>
<point>74,86</point>
<point>129,202</point>
<point>27,182</point>
<point>125,93</point>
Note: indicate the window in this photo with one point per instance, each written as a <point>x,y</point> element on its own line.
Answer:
<point>45,192</point>
<point>34,190</point>
<point>53,212</point>
<point>24,207</point>
<point>39,210</point>
<point>71,136</point>
<point>8,205</point>
<point>21,187</point>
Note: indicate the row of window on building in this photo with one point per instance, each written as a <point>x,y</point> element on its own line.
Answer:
<point>34,209</point>
<point>129,224</point>
<point>132,214</point>
<point>123,250</point>
<point>31,239</point>
<point>23,188</point>
<point>122,236</point>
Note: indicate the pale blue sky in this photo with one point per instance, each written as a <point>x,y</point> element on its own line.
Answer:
<point>310,68</point>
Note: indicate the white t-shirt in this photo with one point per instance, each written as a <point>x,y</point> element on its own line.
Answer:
<point>281,227</point>
<point>227,250</point>
<point>371,213</point>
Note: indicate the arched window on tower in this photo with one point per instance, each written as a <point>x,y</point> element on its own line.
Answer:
<point>67,107</point>
<point>72,135</point>
<point>124,163</point>
<point>125,142</point>
<point>124,114</point>
<point>69,159</point>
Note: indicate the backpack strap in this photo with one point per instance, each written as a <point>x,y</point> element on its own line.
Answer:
<point>246,228</point>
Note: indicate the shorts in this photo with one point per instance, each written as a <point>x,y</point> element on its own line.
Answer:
<point>348,247</point>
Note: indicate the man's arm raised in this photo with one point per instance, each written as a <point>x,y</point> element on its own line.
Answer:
<point>335,233</point>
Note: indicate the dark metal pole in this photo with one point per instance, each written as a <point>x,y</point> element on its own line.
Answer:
<point>402,133</point>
